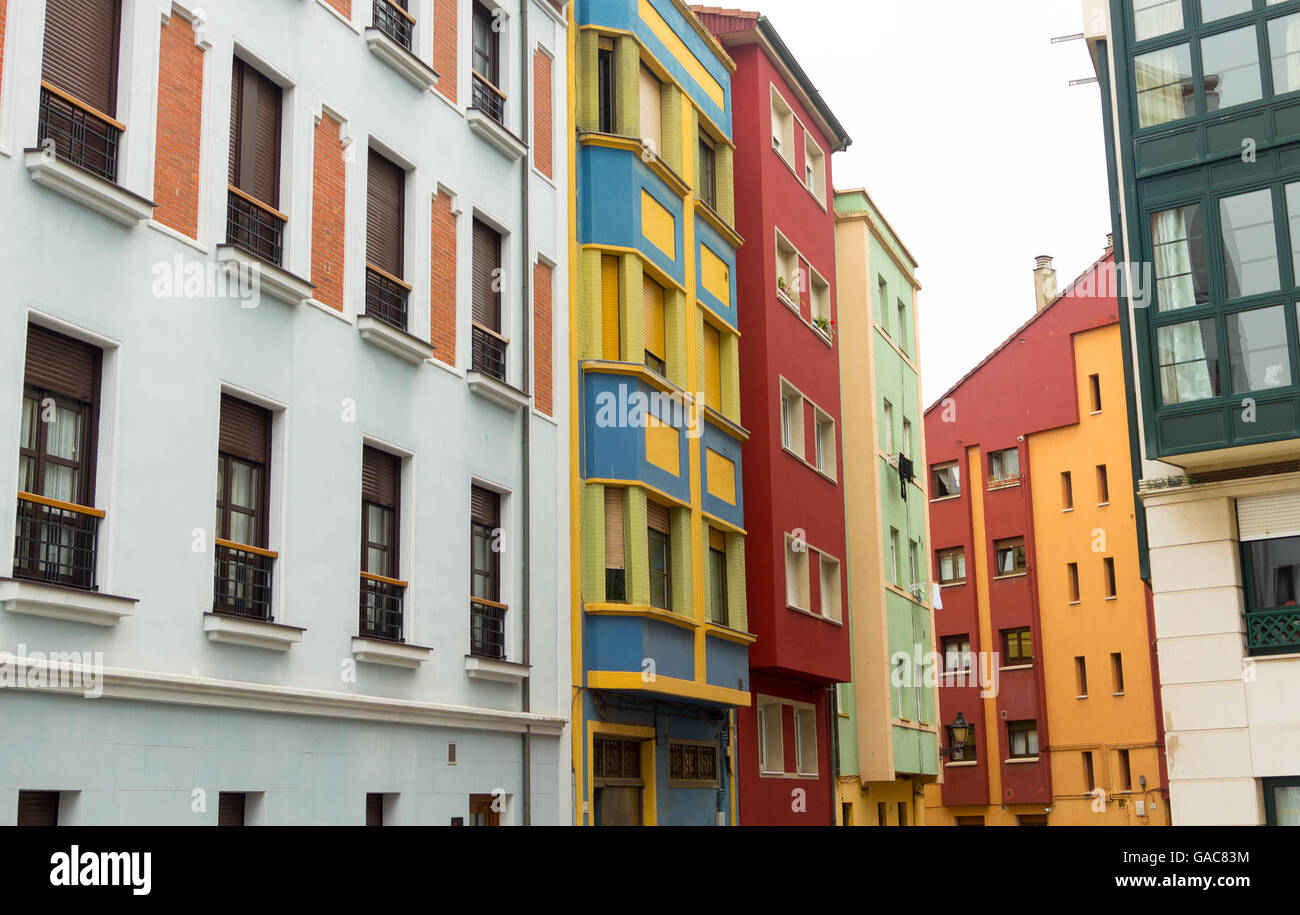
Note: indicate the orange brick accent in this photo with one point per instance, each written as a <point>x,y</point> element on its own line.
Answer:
<point>328,227</point>
<point>343,8</point>
<point>542,336</point>
<point>4,10</point>
<point>442,281</point>
<point>543,104</point>
<point>180,100</point>
<point>444,46</point>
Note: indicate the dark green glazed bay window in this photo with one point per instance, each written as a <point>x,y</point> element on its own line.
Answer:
<point>1272,577</point>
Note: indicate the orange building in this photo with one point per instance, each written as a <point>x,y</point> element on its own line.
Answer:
<point>1032,518</point>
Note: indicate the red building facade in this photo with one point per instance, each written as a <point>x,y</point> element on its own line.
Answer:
<point>790,403</point>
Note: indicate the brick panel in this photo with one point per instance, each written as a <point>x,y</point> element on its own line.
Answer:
<point>442,281</point>
<point>342,7</point>
<point>444,46</point>
<point>180,100</point>
<point>543,106</point>
<point>328,211</point>
<point>543,365</point>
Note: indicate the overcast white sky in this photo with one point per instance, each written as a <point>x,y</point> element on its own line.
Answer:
<point>970,140</point>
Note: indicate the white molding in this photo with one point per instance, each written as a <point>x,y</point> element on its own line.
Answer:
<point>497,391</point>
<point>394,654</point>
<point>178,236</point>
<point>337,15</point>
<point>408,66</point>
<point>114,201</point>
<point>280,283</point>
<point>398,342</point>
<point>496,134</point>
<point>234,630</point>
<point>57,602</point>
<point>492,669</point>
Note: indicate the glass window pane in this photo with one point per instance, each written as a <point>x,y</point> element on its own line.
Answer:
<point>1188,355</point>
<point>63,434</point>
<point>1249,243</point>
<point>241,528</point>
<point>377,525</point>
<point>243,482</point>
<point>1275,573</point>
<point>1257,350</point>
<point>1221,9</point>
<point>1164,85</point>
<point>1284,50</point>
<point>30,410</point>
<point>1033,742</point>
<point>1293,226</point>
<point>1178,243</point>
<point>1156,17</point>
<point>60,483</point>
<point>1231,64</point>
<point>377,562</point>
<point>1286,805</point>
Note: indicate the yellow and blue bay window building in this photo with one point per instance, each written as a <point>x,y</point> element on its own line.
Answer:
<point>660,631</point>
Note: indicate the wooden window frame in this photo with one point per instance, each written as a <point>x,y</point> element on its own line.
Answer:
<point>1019,558</point>
<point>1026,727</point>
<point>938,564</point>
<point>1013,646</point>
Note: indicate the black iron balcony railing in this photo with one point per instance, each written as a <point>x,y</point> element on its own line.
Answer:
<point>386,297</point>
<point>489,99</point>
<point>255,227</point>
<point>56,541</point>
<point>489,352</point>
<point>381,607</point>
<point>242,583</point>
<point>487,629</point>
<point>79,134</point>
<point>393,20</point>
<point>1273,631</point>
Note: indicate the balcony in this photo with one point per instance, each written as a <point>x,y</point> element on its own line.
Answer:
<point>1273,631</point>
<point>393,20</point>
<point>490,100</point>
<point>487,118</point>
<point>381,607</point>
<point>255,227</point>
<point>56,542</point>
<point>487,629</point>
<point>489,352</point>
<point>391,39</point>
<point>242,583</point>
<point>386,297</point>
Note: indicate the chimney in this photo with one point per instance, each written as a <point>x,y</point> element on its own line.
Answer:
<point>1110,241</point>
<point>1044,281</point>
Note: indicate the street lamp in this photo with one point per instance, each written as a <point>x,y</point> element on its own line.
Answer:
<point>960,728</point>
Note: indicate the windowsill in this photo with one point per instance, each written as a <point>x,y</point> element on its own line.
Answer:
<point>993,487</point>
<point>398,342</point>
<point>961,764</point>
<point>1103,504</point>
<point>1067,510</point>
<point>1015,667</point>
<point>280,283</point>
<point>1117,695</point>
<point>1011,575</point>
<point>1084,696</point>
<point>952,584</point>
<point>946,498</point>
<point>496,390</point>
<point>1095,413</point>
<point>392,654</point>
<point>1073,603</point>
<point>234,630</point>
<point>408,66</point>
<point>496,134</point>
<point>61,602</point>
<point>112,200</point>
<point>1020,760</point>
<point>1112,597</point>
<point>816,616</point>
<point>718,222</point>
<point>493,669</point>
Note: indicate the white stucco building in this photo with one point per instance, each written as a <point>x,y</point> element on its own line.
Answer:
<point>307,529</point>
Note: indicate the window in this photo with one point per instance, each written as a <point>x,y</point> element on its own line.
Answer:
<point>253,220</point>
<point>78,99</point>
<point>825,441</point>
<point>1109,565</point>
<point>907,438</point>
<point>882,300</point>
<point>782,127</point>
<point>956,656</point>
<point>243,564</point>
<point>902,326</point>
<point>718,577</point>
<point>882,814</point>
<point>789,275</point>
<point>487,610</point>
<point>651,108</point>
<point>952,566</point>
<point>656,341</point>
<point>1284,53</point>
<point>386,291</point>
<point>374,809</point>
<point>605,87</point>
<point>1274,573</point>
<point>1089,776</point>
<point>1117,673</point>
<point>381,590</point>
<point>1010,555</point>
<point>1072,581</point>
<point>792,414</point>
<point>231,807</point>
<point>1125,771</point>
<point>902,813</point>
<point>814,177</point>
<point>1004,466</point>
<point>1080,677</point>
<point>611,308</point>
<point>489,346</point>
<point>1067,491</point>
<point>1094,389</point>
<point>895,576</point>
<point>830,588</point>
<point>945,481</point>
<point>616,780</point>
<point>1258,355</point>
<point>805,740</point>
<point>390,20</point>
<point>1218,9</point>
<point>487,96</point>
<point>1103,485</point>
<point>914,564</point>
<point>706,187</point>
<point>57,530</point>
<point>1188,356</point>
<point>1022,738</point>
<point>1156,17</point>
<point>711,344</point>
<point>819,299</point>
<point>484,810</point>
<point>1165,90</point>
<point>970,821</point>
<point>38,808</point>
<point>1282,801</point>
<point>692,765</point>
<point>771,740</point>
<point>887,428</point>
<point>797,591</point>
<point>657,522</point>
<point>615,547</point>
<point>1249,243</point>
<point>1017,646</point>
<point>1178,242</point>
<point>1230,61</point>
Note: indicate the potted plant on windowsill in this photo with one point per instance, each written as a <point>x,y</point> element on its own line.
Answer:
<point>824,325</point>
<point>786,292</point>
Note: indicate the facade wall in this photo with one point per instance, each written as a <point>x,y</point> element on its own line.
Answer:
<point>171,350</point>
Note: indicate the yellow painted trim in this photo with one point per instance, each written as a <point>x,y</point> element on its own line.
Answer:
<point>659,493</point>
<point>577,765</point>
<point>655,272</point>
<point>714,219</point>
<point>636,370</point>
<point>649,742</point>
<point>732,428</point>
<point>641,610</point>
<point>684,55</point>
<point>628,681</point>
<point>723,524</point>
<point>713,630</point>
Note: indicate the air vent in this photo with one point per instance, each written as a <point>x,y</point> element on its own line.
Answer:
<point>451,754</point>
<point>1010,793</point>
<point>1004,714</point>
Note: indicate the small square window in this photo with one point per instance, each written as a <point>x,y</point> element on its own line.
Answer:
<point>1017,646</point>
<point>1010,556</point>
<point>1022,739</point>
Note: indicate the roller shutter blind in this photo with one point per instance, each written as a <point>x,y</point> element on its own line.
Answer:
<point>609,314</point>
<point>385,214</point>
<point>657,517</point>
<point>62,365</point>
<point>653,309</point>
<point>38,808</point>
<point>380,477</point>
<point>255,134</point>
<point>80,50</point>
<point>1268,517</point>
<point>486,260</point>
<point>615,550</point>
<point>230,809</point>
<point>717,540</point>
<point>484,506</point>
<point>245,430</point>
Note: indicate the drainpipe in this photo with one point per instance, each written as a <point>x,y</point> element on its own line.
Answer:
<point>525,335</point>
<point>833,730</point>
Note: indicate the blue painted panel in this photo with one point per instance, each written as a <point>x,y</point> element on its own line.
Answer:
<point>617,452</point>
<point>609,212</point>
<point>714,439</point>
<point>706,235</point>
<point>622,643</point>
<point>728,663</point>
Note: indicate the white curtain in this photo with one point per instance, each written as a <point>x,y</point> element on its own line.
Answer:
<point>1284,49</point>
<point>1160,86</point>
<point>1156,17</point>
<point>1175,284</point>
<point>1184,370</point>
